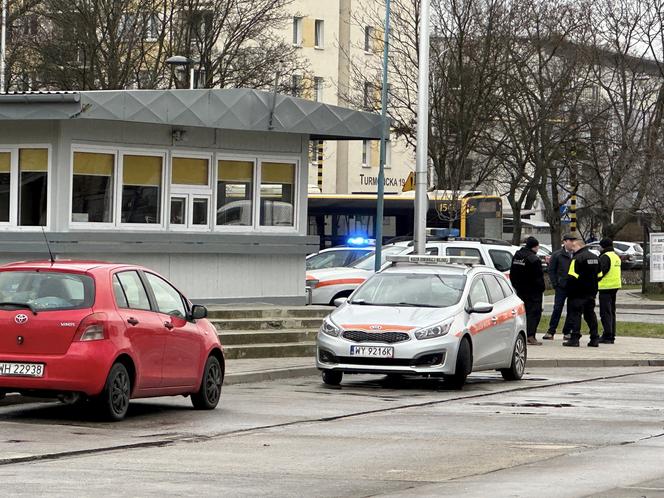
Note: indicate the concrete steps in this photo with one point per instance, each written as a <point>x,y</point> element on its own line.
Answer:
<point>283,350</point>
<point>224,313</point>
<point>268,332</point>
<point>268,323</point>
<point>248,337</point>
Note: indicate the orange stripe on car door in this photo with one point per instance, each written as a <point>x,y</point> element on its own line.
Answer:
<point>341,281</point>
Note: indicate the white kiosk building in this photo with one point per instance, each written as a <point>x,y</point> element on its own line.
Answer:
<point>208,187</point>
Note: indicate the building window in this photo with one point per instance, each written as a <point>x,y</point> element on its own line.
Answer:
<point>92,187</point>
<point>190,171</point>
<point>388,153</point>
<point>366,153</point>
<point>277,194</point>
<point>190,192</point>
<point>235,193</point>
<point>179,210</point>
<point>297,31</point>
<point>319,34</point>
<point>5,185</point>
<point>152,27</point>
<point>368,38</point>
<point>367,97</point>
<point>141,189</point>
<point>318,89</point>
<point>296,82</point>
<point>33,186</point>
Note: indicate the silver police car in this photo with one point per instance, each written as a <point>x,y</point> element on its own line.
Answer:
<point>426,315</point>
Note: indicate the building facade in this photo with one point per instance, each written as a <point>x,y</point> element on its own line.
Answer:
<point>336,43</point>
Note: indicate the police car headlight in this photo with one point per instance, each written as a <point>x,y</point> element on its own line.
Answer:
<point>329,328</point>
<point>432,332</point>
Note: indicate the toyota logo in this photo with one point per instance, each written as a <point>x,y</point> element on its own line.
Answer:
<point>21,318</point>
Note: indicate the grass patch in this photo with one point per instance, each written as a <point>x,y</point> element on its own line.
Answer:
<point>552,292</point>
<point>625,329</point>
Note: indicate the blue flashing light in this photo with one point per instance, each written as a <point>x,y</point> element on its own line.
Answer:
<point>359,241</point>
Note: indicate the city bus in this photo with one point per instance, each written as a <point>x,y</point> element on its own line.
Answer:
<point>335,218</point>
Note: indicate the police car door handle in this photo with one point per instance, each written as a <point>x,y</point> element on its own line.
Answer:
<point>513,312</point>
<point>494,319</point>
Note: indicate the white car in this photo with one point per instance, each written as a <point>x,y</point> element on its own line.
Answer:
<point>422,316</point>
<point>326,285</point>
<point>336,257</point>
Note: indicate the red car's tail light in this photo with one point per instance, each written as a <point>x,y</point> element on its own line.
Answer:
<point>92,328</point>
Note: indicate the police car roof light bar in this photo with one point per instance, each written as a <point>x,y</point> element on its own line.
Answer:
<point>432,260</point>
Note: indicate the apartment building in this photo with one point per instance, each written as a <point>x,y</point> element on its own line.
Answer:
<point>337,43</point>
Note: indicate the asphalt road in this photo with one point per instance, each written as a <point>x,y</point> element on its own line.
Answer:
<point>560,432</point>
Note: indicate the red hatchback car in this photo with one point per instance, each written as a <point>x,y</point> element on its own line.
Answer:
<point>104,332</point>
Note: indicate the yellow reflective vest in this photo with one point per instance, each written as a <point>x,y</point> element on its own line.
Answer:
<point>612,279</point>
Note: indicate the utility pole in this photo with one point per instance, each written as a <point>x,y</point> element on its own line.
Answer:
<point>421,198</point>
<point>383,153</point>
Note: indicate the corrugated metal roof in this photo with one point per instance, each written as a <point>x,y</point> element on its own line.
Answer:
<point>233,109</point>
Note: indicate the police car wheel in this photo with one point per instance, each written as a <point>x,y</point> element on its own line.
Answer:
<point>518,365</point>
<point>332,377</point>
<point>464,365</point>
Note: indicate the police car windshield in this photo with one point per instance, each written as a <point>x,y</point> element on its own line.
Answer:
<point>368,262</point>
<point>411,289</point>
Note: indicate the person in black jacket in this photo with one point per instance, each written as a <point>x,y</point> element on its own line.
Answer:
<point>558,275</point>
<point>584,274</point>
<point>528,280</point>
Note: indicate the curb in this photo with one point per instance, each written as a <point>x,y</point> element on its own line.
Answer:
<point>289,373</point>
<point>594,363</point>
<point>267,375</point>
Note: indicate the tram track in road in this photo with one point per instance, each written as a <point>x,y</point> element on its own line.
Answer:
<point>173,439</point>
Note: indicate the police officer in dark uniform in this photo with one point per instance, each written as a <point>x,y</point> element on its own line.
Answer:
<point>584,272</point>
<point>528,280</point>
<point>558,275</point>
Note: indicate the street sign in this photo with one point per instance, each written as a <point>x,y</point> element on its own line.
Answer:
<point>657,257</point>
<point>410,183</point>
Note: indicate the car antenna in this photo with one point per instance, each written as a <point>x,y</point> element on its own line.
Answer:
<point>48,246</point>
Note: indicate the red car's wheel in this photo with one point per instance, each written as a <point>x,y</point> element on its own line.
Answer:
<point>209,393</point>
<point>113,402</point>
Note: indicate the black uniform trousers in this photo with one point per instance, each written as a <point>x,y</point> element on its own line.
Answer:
<point>533,306</point>
<point>577,306</point>
<point>607,312</point>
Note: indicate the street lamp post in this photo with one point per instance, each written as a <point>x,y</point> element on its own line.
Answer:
<point>3,46</point>
<point>383,153</point>
<point>184,62</point>
<point>421,198</point>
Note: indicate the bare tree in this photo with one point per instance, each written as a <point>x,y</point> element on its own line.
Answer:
<point>236,41</point>
<point>113,44</point>
<point>468,53</point>
<point>623,136</point>
<point>22,27</point>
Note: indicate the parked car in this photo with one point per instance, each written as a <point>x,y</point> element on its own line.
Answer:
<point>544,254</point>
<point>335,257</point>
<point>422,315</point>
<point>329,284</point>
<point>630,253</point>
<point>106,333</point>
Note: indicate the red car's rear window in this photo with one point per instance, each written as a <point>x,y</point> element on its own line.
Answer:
<point>45,290</point>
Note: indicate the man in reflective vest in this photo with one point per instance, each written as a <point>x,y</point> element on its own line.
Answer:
<point>609,284</point>
<point>582,284</point>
